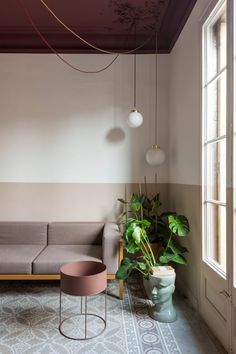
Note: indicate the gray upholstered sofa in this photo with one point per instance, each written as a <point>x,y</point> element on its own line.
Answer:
<point>37,250</point>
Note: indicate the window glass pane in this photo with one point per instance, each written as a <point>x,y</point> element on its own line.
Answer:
<point>216,171</point>
<point>216,44</point>
<point>216,108</point>
<point>216,234</point>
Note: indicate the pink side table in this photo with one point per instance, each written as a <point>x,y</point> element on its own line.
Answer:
<point>83,278</point>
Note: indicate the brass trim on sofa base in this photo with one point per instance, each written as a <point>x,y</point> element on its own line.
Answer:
<point>54,277</point>
<point>30,276</point>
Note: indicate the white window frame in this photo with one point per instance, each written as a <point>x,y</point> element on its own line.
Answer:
<point>205,83</point>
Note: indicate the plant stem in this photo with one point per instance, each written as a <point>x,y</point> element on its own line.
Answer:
<point>145,185</point>
<point>140,271</point>
<point>168,242</point>
<point>146,251</point>
<point>150,249</point>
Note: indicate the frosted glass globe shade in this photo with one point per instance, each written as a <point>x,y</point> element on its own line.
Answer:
<point>155,156</point>
<point>135,119</point>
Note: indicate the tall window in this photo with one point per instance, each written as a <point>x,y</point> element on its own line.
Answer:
<point>214,139</point>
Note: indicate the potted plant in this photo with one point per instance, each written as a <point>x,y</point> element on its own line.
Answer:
<point>143,225</point>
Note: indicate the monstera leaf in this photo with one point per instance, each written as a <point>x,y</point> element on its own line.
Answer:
<point>167,257</point>
<point>130,229</point>
<point>170,257</point>
<point>176,248</point>
<point>178,224</point>
<point>127,266</point>
<point>173,253</point>
<point>130,245</point>
<point>179,259</point>
<point>133,236</point>
<point>137,235</point>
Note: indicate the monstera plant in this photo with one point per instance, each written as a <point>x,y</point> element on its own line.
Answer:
<point>144,224</point>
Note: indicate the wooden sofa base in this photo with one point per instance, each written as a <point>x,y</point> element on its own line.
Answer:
<point>54,277</point>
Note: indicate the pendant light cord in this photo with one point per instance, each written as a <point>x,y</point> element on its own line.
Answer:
<point>134,81</point>
<point>86,42</point>
<point>55,51</point>
<point>156,94</point>
<point>135,63</point>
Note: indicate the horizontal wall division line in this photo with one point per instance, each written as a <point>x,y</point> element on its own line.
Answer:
<point>68,201</point>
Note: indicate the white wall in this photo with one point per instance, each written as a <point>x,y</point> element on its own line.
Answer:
<point>57,125</point>
<point>185,107</point>
<point>185,143</point>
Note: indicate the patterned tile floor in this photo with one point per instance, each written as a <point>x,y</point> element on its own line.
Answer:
<point>29,323</point>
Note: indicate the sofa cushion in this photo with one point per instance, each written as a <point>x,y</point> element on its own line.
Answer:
<point>17,259</point>
<point>54,256</point>
<point>75,233</point>
<point>32,233</point>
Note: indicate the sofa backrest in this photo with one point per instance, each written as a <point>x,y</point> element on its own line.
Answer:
<point>75,233</point>
<point>33,233</point>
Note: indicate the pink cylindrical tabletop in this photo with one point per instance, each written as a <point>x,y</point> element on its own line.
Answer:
<point>83,278</point>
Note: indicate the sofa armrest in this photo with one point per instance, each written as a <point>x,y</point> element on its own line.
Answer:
<point>111,252</point>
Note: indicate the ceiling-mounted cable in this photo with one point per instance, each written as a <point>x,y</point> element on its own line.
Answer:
<point>86,42</point>
<point>54,50</point>
<point>156,92</point>
<point>135,118</point>
<point>135,72</point>
<point>155,155</point>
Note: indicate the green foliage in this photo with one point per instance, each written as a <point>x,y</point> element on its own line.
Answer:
<point>144,225</point>
<point>172,258</point>
<point>172,251</point>
<point>178,224</point>
<point>134,234</point>
<point>127,266</point>
<point>176,248</point>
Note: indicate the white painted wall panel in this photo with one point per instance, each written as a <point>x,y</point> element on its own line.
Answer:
<point>57,125</point>
<point>185,102</point>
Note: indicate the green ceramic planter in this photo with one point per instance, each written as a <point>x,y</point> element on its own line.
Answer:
<point>159,289</point>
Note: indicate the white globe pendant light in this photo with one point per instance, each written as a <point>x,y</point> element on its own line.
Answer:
<point>155,155</point>
<point>135,118</point>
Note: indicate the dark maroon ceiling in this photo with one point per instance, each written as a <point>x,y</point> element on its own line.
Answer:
<point>108,24</point>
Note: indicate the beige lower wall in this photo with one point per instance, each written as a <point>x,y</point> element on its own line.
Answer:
<point>67,201</point>
<point>186,199</point>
